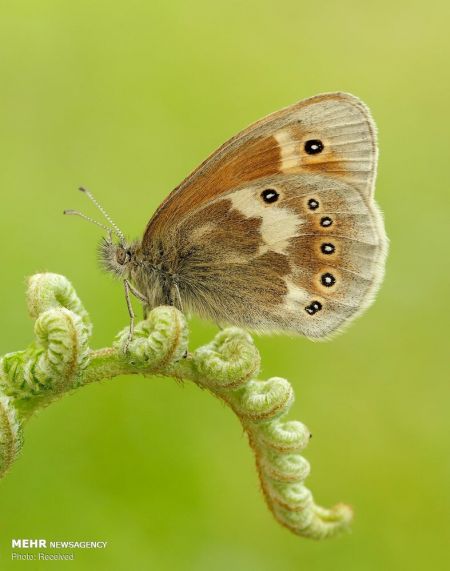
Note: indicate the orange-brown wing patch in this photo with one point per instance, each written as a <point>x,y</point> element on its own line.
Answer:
<point>255,159</point>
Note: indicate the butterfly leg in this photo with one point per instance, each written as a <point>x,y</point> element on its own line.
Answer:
<point>177,289</point>
<point>136,293</point>
<point>140,297</point>
<point>127,287</point>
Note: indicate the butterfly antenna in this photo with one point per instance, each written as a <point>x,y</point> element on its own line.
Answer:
<point>117,230</point>
<point>88,218</point>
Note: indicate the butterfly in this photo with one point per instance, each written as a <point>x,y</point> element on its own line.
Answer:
<point>277,230</point>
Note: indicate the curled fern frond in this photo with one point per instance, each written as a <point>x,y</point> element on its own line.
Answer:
<point>60,360</point>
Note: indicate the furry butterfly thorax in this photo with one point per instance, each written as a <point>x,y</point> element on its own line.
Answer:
<point>277,230</point>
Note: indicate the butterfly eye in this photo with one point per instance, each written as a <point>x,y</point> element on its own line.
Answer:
<point>328,280</point>
<point>121,256</point>
<point>327,248</point>
<point>313,204</point>
<point>269,195</point>
<point>313,307</point>
<point>313,147</point>
<point>326,221</point>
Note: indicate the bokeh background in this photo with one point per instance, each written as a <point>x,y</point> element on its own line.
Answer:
<point>127,98</point>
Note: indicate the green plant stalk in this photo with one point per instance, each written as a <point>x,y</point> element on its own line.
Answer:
<point>60,360</point>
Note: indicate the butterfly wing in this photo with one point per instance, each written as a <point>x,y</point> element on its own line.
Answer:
<point>278,229</point>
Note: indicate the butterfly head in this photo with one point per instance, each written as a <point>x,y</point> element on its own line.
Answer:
<point>115,253</point>
<point>117,257</point>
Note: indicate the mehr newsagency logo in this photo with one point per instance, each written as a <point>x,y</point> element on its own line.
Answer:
<point>67,549</point>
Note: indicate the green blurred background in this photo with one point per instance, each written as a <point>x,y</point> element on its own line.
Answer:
<point>128,97</point>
